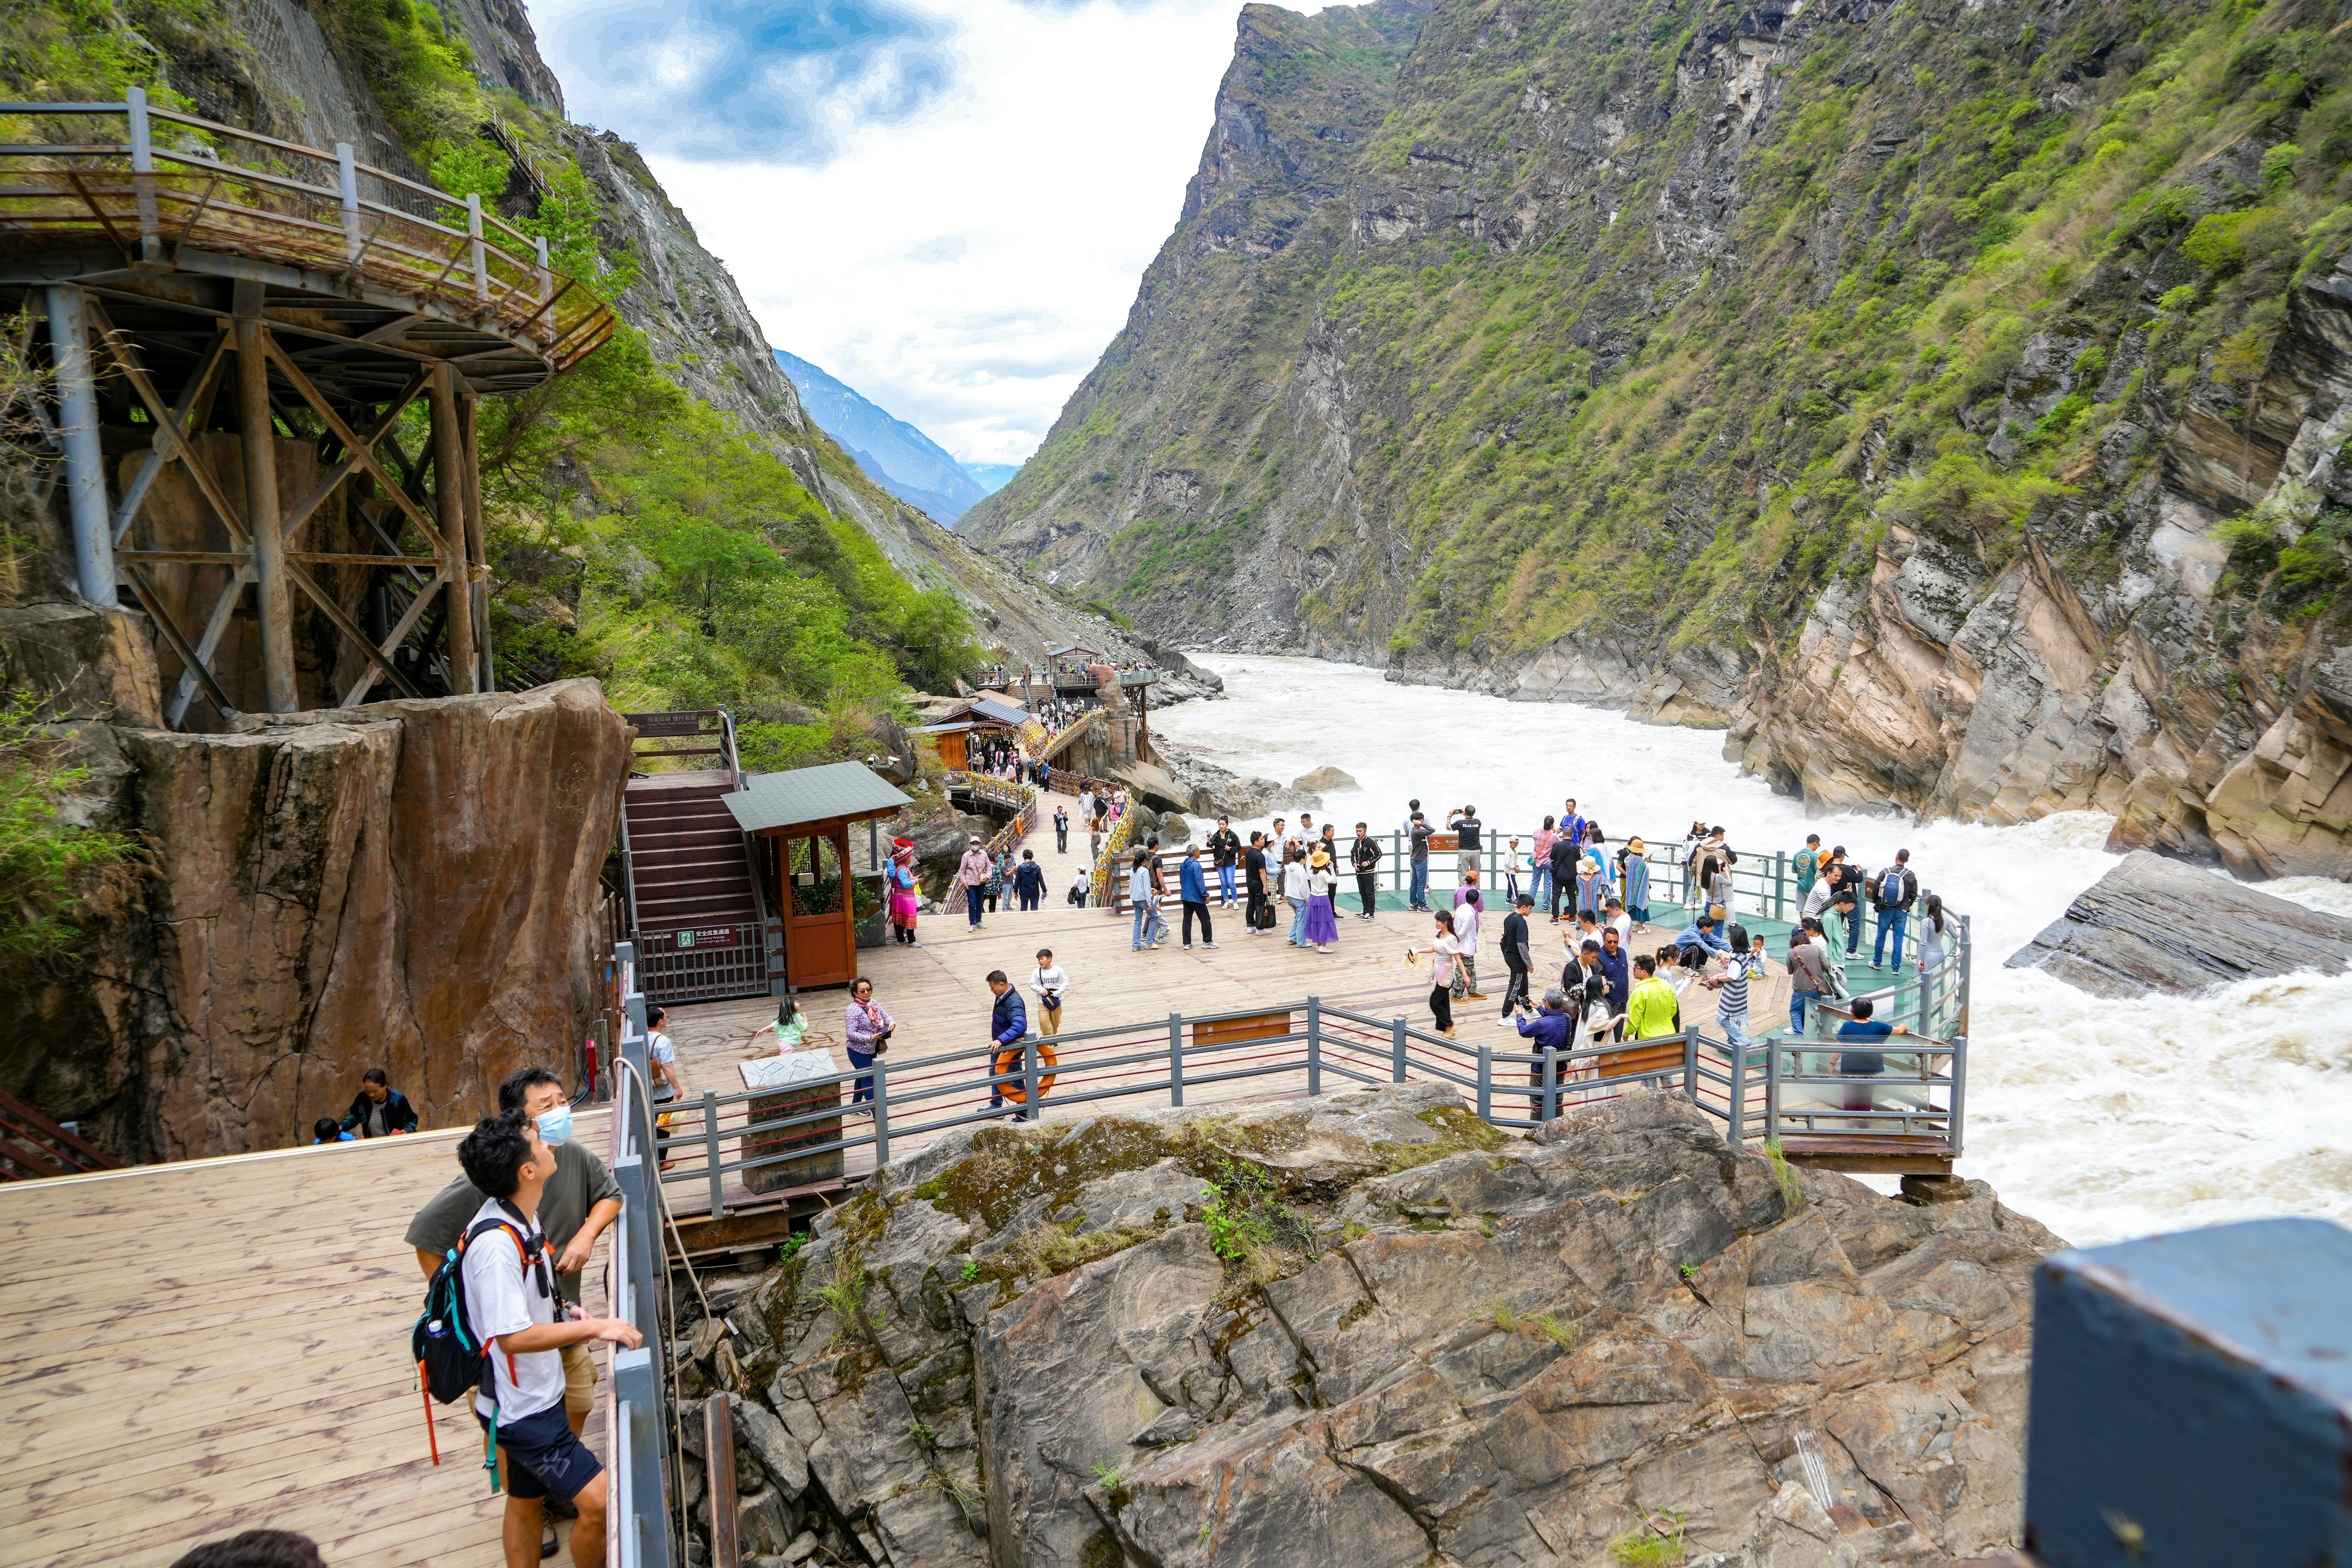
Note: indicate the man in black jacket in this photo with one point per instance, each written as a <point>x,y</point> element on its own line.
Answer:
<point>1518,953</point>
<point>1364,855</point>
<point>378,1111</point>
<point>1565,852</point>
<point>1225,853</point>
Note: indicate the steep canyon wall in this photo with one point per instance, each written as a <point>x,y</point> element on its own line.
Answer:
<point>1946,398</point>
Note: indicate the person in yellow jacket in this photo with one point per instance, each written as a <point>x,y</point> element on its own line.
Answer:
<point>1652,1011</point>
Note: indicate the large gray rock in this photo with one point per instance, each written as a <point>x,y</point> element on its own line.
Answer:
<point>2153,924</point>
<point>1369,1329</point>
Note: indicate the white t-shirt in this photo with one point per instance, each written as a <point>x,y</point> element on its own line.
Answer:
<point>1294,880</point>
<point>663,1052</point>
<point>502,1298</point>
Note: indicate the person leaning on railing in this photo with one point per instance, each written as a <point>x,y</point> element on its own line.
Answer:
<point>1864,1063</point>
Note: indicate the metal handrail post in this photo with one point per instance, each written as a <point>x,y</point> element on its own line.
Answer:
<point>1690,1062</point>
<point>710,1151</point>
<point>1396,1051</point>
<point>1960,1089</point>
<point>1313,1046</point>
<point>881,1112</point>
<point>1968,966</point>
<point>1772,1092</point>
<point>1551,1082</point>
<point>142,175</point>
<point>347,185</point>
<point>1029,1073</point>
<point>642,1523</point>
<point>1780,884</point>
<point>1485,1083</point>
<point>478,253</point>
<point>1738,1107</point>
<point>1175,1058</point>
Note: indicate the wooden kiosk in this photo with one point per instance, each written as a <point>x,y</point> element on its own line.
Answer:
<point>799,822</point>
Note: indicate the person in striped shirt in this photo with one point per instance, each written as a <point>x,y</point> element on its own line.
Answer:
<point>1746,962</point>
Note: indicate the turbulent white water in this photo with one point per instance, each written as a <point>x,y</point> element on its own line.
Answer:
<point>2101,1119</point>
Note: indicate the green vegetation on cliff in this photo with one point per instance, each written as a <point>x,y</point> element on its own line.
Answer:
<point>1645,318</point>
<point>635,531</point>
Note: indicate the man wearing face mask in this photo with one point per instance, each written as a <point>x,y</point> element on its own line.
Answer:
<point>581,1200</point>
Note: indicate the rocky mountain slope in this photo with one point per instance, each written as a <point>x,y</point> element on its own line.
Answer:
<point>1945,397</point>
<point>897,456</point>
<point>1369,1332</point>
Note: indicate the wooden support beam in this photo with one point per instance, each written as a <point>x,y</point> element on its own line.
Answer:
<point>215,627</point>
<point>360,687</point>
<point>191,662</point>
<point>194,406</point>
<point>351,629</point>
<point>258,432</point>
<point>449,495</point>
<point>352,459</point>
<point>135,371</point>
<point>363,451</point>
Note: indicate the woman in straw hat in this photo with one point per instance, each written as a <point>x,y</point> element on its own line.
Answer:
<point>1322,923</point>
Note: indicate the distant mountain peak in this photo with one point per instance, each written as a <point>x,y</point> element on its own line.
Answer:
<point>894,454</point>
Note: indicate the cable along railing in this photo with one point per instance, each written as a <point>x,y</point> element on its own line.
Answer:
<point>156,200</point>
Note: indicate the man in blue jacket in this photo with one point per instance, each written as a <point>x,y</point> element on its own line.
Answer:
<point>1547,1030</point>
<point>1700,933</point>
<point>1008,1026</point>
<point>1192,888</point>
<point>1029,880</point>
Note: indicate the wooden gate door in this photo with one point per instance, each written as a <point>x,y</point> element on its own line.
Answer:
<point>820,931</point>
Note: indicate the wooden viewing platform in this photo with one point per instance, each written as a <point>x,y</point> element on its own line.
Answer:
<point>218,1345</point>
<point>936,994</point>
<point>215,1345</point>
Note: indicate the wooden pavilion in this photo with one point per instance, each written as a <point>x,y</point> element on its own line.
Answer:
<point>799,823</point>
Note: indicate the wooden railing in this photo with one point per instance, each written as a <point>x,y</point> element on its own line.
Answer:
<point>151,198</point>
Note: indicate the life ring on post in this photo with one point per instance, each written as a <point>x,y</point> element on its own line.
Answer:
<point>1008,1062</point>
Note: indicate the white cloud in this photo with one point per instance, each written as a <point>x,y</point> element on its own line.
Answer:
<point>963,265</point>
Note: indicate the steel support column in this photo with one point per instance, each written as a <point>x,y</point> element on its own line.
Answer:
<point>449,506</point>
<point>93,527</point>
<point>258,428</point>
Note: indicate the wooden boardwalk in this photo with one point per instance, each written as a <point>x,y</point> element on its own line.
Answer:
<point>218,1345</point>
<point>938,995</point>
<point>202,1348</point>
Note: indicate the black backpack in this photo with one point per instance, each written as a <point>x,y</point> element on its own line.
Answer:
<point>452,1360</point>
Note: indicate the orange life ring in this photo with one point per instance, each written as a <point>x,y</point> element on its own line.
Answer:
<point>1008,1061</point>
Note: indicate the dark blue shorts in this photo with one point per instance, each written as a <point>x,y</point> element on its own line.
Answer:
<point>541,1458</point>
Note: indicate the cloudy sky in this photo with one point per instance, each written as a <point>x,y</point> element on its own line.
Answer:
<point>945,203</point>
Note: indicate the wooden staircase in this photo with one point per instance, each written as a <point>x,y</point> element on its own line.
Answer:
<point>693,910</point>
<point>686,854</point>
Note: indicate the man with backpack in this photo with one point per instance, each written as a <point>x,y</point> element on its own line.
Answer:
<point>578,1199</point>
<point>1893,890</point>
<point>1029,880</point>
<point>512,1310</point>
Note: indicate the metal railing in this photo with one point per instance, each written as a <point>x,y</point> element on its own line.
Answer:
<point>150,199</point>
<point>638,1409</point>
<point>1760,1089</point>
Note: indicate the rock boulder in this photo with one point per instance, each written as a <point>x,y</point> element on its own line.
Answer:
<point>1369,1330</point>
<point>2153,924</point>
<point>409,885</point>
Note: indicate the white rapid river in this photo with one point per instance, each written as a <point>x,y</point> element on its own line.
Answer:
<point>2104,1120</point>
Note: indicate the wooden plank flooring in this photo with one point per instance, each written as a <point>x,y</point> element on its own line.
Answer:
<point>937,993</point>
<point>219,1345</point>
<point>202,1348</point>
